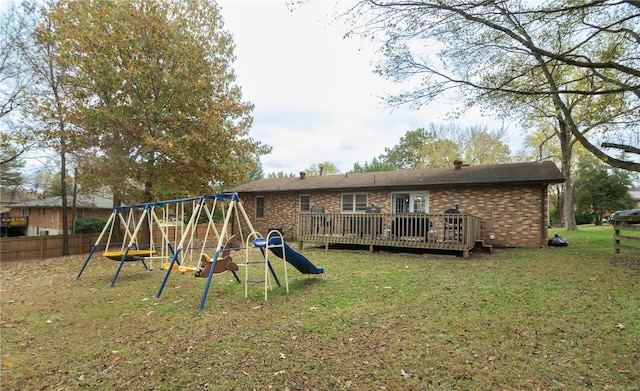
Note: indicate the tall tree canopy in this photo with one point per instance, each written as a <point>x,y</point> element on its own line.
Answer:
<point>552,51</point>
<point>574,62</point>
<point>155,95</point>
<point>601,190</point>
<point>14,79</point>
<point>441,145</point>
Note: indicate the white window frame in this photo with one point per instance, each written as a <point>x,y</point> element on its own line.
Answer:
<point>308,204</point>
<point>356,207</point>
<point>413,197</point>
<point>261,208</point>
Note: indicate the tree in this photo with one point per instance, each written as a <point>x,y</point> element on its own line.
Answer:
<point>280,174</point>
<point>47,102</point>
<point>377,164</point>
<point>322,168</point>
<point>155,95</point>
<point>441,145</point>
<point>512,48</point>
<point>10,169</point>
<point>568,58</point>
<point>14,79</point>
<point>600,190</point>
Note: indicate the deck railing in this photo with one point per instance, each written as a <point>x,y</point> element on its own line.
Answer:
<point>457,232</point>
<point>7,221</point>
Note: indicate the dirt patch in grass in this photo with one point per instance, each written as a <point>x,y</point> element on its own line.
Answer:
<point>627,263</point>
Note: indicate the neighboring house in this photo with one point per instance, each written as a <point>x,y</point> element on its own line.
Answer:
<point>44,217</point>
<point>508,202</point>
<point>8,198</point>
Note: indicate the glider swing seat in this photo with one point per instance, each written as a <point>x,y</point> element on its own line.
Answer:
<point>183,255</point>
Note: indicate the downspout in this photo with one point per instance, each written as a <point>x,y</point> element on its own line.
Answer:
<point>543,214</point>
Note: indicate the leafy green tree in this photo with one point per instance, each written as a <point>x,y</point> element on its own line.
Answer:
<point>280,174</point>
<point>10,169</point>
<point>322,168</point>
<point>441,145</point>
<point>377,164</point>
<point>481,146</point>
<point>572,56</point>
<point>574,65</point>
<point>600,190</point>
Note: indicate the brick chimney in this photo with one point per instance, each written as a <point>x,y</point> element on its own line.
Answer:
<point>303,174</point>
<point>457,164</point>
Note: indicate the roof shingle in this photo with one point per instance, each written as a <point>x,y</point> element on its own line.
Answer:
<point>489,175</point>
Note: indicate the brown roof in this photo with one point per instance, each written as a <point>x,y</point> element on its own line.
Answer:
<point>490,175</point>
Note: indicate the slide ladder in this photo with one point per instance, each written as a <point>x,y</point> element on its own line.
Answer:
<point>263,245</point>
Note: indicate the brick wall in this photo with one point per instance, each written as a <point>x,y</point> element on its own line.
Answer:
<point>511,214</point>
<point>50,219</point>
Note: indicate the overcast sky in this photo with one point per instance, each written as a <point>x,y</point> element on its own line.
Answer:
<point>316,96</point>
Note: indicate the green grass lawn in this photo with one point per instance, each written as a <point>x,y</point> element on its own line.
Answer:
<point>516,319</point>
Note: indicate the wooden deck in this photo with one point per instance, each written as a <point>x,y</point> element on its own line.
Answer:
<point>450,232</point>
<point>7,221</point>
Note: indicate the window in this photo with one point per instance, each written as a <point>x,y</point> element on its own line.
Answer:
<point>80,213</point>
<point>354,203</point>
<point>259,207</point>
<point>410,203</point>
<point>419,203</point>
<point>53,214</point>
<point>305,204</point>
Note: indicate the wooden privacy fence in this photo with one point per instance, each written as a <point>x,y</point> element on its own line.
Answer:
<point>42,247</point>
<point>627,233</point>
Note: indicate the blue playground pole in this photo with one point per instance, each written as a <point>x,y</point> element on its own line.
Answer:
<point>206,287</point>
<point>166,275</point>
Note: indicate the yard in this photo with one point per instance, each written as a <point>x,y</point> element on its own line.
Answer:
<point>516,319</point>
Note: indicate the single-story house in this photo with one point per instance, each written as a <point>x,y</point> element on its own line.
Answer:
<point>44,217</point>
<point>495,205</point>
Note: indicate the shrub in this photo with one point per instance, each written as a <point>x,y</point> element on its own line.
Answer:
<point>584,218</point>
<point>87,225</point>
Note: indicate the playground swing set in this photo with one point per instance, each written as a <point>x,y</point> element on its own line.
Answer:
<point>203,257</point>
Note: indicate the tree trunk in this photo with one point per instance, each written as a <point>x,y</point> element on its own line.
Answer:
<point>567,152</point>
<point>63,188</point>
<point>116,235</point>
<point>74,200</point>
<point>145,235</point>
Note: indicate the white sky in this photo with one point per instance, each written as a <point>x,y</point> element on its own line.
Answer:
<point>315,94</point>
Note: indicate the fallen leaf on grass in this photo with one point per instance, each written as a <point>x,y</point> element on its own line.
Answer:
<point>620,326</point>
<point>405,374</point>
